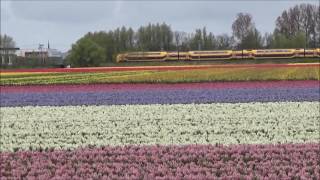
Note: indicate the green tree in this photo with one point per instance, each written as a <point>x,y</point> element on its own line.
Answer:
<point>282,41</point>
<point>196,42</point>
<point>86,53</point>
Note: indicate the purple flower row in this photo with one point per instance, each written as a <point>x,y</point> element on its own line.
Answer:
<point>160,97</point>
<point>166,162</point>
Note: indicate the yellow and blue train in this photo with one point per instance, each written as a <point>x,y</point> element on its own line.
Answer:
<point>219,55</point>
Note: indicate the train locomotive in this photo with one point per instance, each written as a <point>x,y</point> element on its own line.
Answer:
<point>219,55</point>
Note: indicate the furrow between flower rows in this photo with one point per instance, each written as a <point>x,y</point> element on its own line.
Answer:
<point>68,127</point>
<point>128,87</point>
<point>286,161</point>
<point>160,97</point>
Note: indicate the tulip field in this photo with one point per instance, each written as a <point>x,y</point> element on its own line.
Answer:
<point>183,122</point>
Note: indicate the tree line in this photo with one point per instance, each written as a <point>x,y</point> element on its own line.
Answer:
<point>296,27</point>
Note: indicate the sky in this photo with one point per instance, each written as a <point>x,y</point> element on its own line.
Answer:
<point>62,23</point>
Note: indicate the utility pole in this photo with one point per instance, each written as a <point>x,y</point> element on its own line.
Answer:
<point>242,52</point>
<point>305,43</point>
<point>41,52</point>
<point>178,49</point>
<point>199,46</point>
<point>178,53</point>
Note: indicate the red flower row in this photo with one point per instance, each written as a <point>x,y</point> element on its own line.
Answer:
<point>158,68</point>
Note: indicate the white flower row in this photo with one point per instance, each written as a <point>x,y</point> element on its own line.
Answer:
<point>224,123</point>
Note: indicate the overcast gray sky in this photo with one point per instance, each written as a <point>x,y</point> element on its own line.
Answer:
<point>64,22</point>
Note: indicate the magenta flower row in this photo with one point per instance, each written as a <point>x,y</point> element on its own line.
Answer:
<point>280,161</point>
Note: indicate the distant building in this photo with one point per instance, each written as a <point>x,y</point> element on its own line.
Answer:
<point>65,54</point>
<point>40,57</point>
<point>43,53</point>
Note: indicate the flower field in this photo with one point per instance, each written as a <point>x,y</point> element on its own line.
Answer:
<point>232,122</point>
<point>184,74</point>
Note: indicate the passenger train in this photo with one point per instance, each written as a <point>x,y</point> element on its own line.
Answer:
<point>219,55</point>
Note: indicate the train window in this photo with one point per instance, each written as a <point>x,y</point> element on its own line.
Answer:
<point>143,54</point>
<point>271,51</point>
<point>211,52</point>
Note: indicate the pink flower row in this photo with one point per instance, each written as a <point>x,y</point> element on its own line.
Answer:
<point>129,87</point>
<point>166,162</point>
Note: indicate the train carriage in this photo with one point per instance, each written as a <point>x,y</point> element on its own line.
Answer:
<point>273,53</point>
<point>306,53</point>
<point>219,55</point>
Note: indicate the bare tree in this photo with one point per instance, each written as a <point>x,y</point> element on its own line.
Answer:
<point>224,41</point>
<point>267,40</point>
<point>6,41</point>
<point>317,36</point>
<point>177,38</point>
<point>246,34</point>
<point>308,19</point>
<point>242,26</point>
<point>300,18</point>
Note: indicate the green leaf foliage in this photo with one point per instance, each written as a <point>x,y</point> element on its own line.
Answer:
<point>86,53</point>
